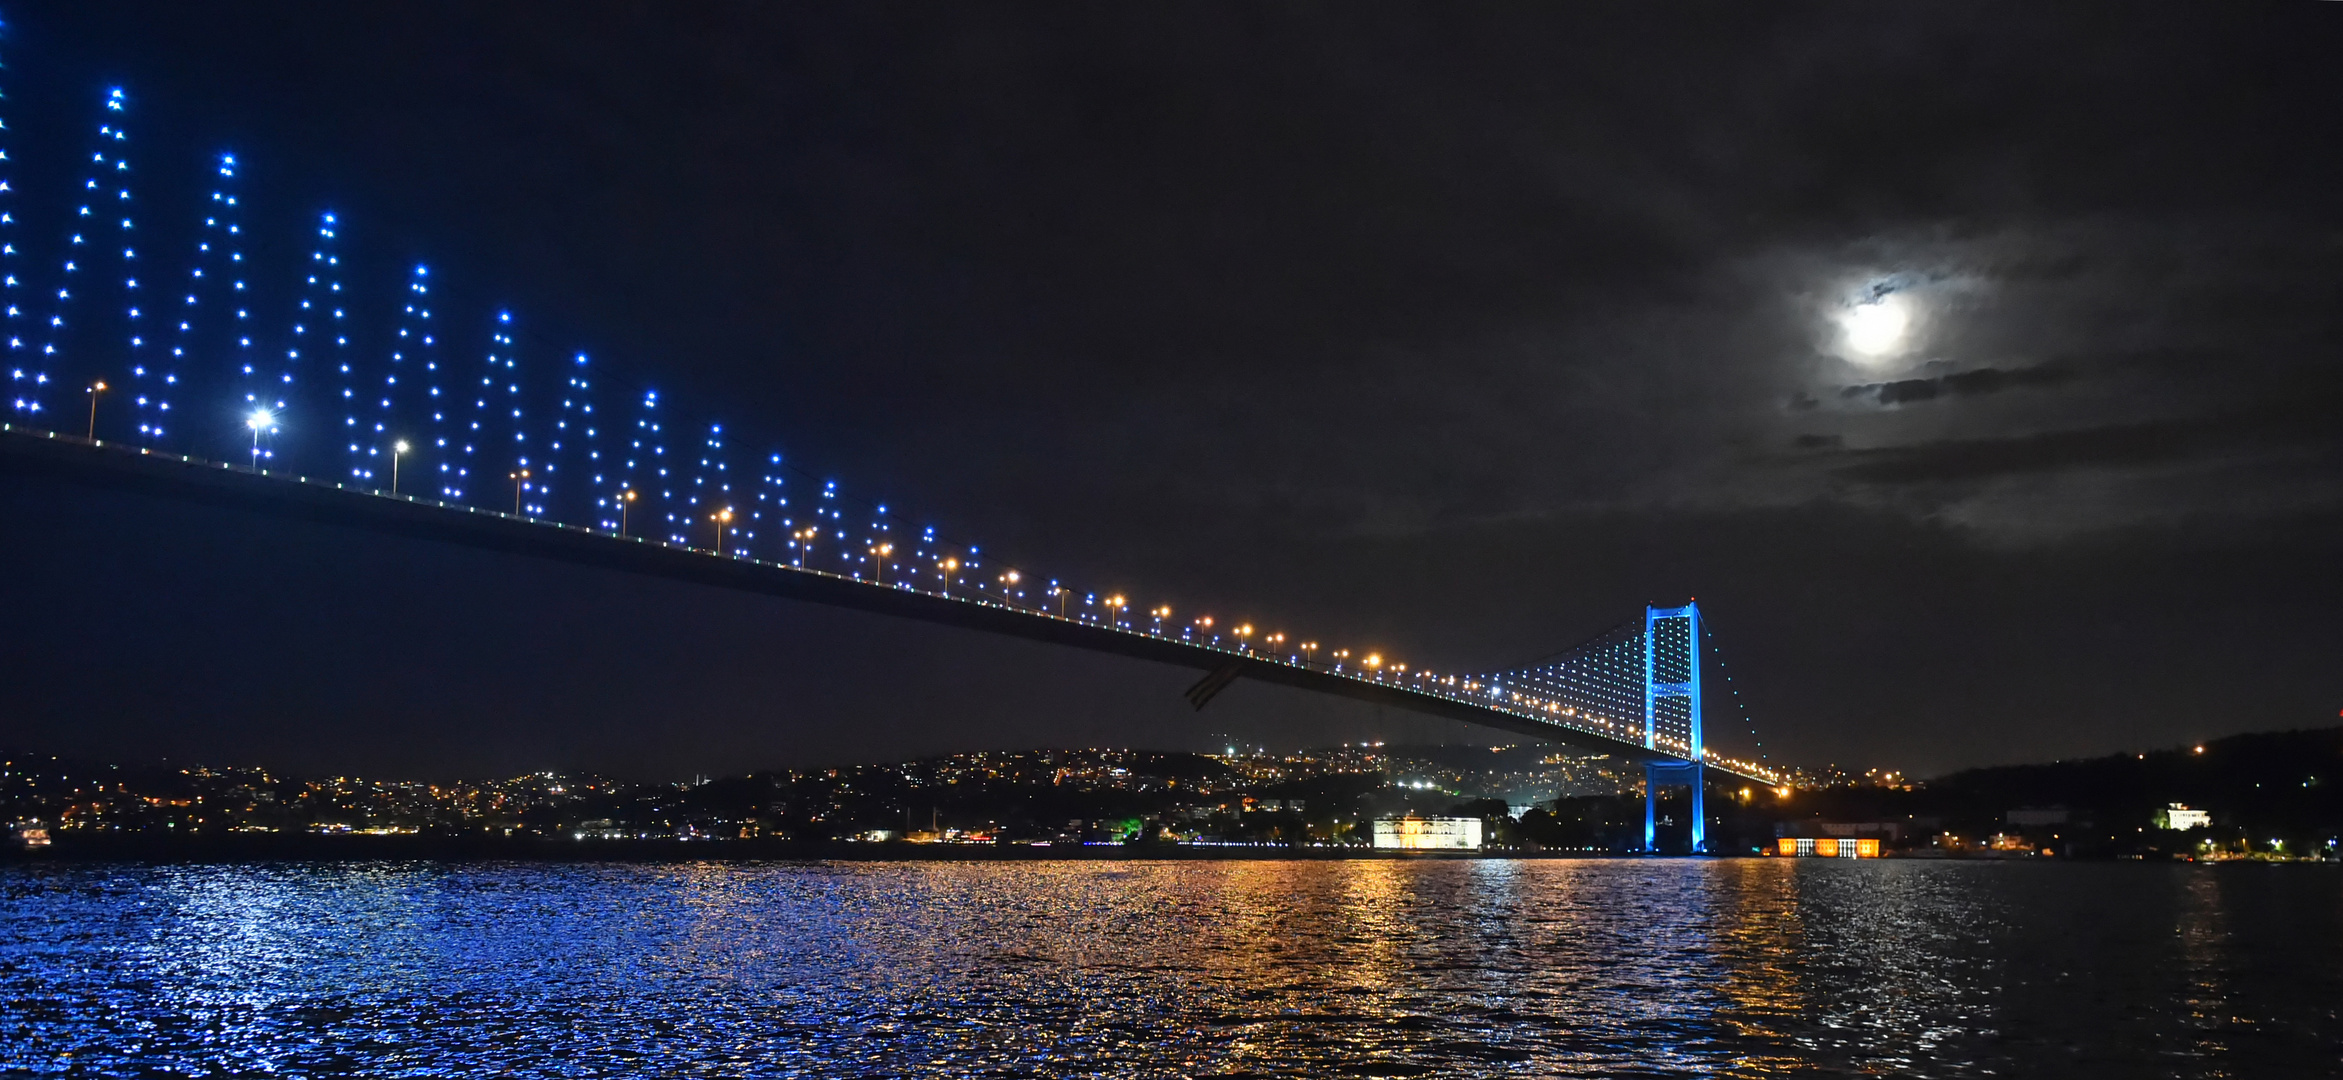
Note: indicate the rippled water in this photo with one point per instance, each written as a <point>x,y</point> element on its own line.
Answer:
<point>1368,968</point>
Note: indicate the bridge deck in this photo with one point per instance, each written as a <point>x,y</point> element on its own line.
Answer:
<point>174,476</point>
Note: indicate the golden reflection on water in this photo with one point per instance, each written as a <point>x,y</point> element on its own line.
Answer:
<point>2201,936</point>
<point>1762,933</point>
<point>1373,932</point>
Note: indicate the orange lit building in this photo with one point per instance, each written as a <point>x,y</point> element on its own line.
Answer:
<point>1830,847</point>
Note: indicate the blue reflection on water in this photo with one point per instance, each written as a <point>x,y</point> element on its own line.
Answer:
<point>1468,968</point>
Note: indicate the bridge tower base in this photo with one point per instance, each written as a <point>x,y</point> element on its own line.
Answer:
<point>1658,774</point>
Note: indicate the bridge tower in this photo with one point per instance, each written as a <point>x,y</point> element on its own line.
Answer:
<point>1671,715</point>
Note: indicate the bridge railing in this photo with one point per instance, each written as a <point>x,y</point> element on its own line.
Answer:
<point>1481,692</point>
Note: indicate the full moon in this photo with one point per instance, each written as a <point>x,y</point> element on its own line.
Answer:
<point>1875,329</point>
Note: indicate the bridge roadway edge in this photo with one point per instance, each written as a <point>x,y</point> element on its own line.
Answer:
<point>171,476</point>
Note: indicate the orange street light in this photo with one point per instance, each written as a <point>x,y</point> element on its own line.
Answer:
<point>721,518</point>
<point>624,498</point>
<point>948,567</point>
<point>879,555</point>
<point>520,480</point>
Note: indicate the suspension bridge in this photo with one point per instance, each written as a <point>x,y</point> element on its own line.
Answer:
<point>150,365</point>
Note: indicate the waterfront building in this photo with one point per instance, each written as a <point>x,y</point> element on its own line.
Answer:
<point>1412,833</point>
<point>1829,847</point>
<point>1890,831</point>
<point>2179,816</point>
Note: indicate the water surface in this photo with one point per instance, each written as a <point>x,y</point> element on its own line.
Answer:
<point>1750,967</point>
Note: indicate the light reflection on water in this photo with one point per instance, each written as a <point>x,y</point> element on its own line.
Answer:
<point>1367,968</point>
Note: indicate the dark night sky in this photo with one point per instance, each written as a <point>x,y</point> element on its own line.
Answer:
<point>1458,330</point>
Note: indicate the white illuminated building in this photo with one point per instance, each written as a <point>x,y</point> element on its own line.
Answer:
<point>2179,816</point>
<point>1412,833</point>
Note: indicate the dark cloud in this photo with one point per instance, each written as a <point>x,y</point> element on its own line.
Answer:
<point>1960,384</point>
<point>2298,425</point>
<point>2125,446</point>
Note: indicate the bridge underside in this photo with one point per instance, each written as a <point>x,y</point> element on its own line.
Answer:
<point>282,494</point>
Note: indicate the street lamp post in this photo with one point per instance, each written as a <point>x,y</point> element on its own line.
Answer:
<point>624,497</point>
<point>259,421</point>
<point>397,448</point>
<point>1009,587</point>
<point>721,518</point>
<point>947,567</point>
<point>96,388</point>
<point>520,480</point>
<point>879,555</point>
